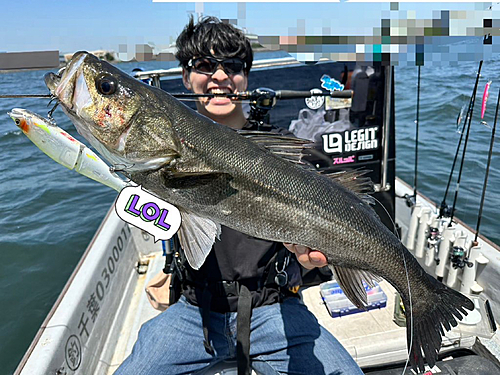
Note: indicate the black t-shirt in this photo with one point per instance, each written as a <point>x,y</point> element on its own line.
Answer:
<point>240,257</point>
<point>237,256</point>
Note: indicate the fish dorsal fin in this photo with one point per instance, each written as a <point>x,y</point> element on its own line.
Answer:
<point>292,149</point>
<point>287,147</point>
<point>197,235</point>
<point>351,282</point>
<point>356,181</point>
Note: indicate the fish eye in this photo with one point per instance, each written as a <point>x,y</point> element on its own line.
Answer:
<point>17,121</point>
<point>106,84</point>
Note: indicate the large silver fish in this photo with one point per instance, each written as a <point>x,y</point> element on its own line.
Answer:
<point>216,176</point>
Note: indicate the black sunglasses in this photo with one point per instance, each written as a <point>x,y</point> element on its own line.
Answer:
<point>208,65</point>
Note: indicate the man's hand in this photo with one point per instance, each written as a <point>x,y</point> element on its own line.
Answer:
<point>309,258</point>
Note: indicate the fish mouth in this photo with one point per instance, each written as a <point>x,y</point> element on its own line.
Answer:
<point>52,81</point>
<point>15,113</point>
<point>62,85</point>
<point>20,113</point>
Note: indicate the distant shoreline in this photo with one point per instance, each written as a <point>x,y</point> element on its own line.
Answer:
<point>115,61</point>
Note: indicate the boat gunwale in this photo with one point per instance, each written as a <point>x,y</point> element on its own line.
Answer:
<point>456,219</point>
<point>59,299</point>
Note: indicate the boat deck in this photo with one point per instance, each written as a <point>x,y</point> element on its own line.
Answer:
<point>94,324</point>
<point>372,338</point>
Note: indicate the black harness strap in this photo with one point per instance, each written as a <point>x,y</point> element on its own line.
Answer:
<point>243,331</point>
<point>205,317</point>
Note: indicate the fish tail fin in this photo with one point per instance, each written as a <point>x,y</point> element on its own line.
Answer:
<point>431,319</point>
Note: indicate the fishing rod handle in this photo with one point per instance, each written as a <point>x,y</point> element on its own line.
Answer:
<point>290,94</point>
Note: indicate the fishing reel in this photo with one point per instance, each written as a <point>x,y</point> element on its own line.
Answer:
<point>445,210</point>
<point>410,200</point>
<point>458,258</point>
<point>262,100</point>
<point>433,240</point>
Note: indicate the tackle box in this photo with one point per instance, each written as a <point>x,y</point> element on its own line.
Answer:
<point>339,305</point>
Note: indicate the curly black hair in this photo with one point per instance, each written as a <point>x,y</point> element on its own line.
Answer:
<point>212,37</point>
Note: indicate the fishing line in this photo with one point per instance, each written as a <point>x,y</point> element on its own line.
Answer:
<point>444,208</point>
<point>465,148</point>
<point>395,230</point>
<point>488,164</point>
<point>407,281</point>
<point>25,96</point>
<point>411,313</point>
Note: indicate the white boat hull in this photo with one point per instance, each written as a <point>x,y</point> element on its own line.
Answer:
<point>94,323</point>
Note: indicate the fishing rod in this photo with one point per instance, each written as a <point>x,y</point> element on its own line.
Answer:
<point>262,100</point>
<point>412,199</point>
<point>416,135</point>
<point>488,163</point>
<point>258,93</point>
<point>444,209</point>
<point>244,95</point>
<point>465,149</point>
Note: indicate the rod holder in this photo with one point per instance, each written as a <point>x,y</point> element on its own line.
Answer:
<point>412,229</point>
<point>448,236</point>
<point>476,259</point>
<point>433,240</point>
<point>423,225</point>
<point>453,270</point>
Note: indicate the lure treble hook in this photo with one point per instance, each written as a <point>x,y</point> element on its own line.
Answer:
<point>49,115</point>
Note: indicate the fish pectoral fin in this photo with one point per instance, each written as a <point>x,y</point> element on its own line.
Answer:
<point>197,235</point>
<point>192,178</point>
<point>200,188</point>
<point>351,282</point>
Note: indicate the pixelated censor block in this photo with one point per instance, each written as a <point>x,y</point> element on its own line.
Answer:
<point>29,60</point>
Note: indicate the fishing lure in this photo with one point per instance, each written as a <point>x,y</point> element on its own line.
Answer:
<point>64,149</point>
<point>485,98</point>
<point>460,118</point>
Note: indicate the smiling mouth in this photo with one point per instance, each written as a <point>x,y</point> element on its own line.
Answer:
<point>219,91</point>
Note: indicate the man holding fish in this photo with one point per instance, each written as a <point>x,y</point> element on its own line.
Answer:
<point>242,183</point>
<point>284,337</point>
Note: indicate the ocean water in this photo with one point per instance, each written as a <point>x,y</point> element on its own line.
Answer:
<point>49,214</point>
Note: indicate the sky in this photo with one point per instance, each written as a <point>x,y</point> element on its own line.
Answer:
<point>68,26</point>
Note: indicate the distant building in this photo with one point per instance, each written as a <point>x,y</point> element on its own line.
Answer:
<point>29,60</point>
<point>144,52</point>
<point>167,54</point>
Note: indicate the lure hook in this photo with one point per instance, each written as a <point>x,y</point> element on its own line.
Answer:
<point>49,115</point>
<point>123,169</point>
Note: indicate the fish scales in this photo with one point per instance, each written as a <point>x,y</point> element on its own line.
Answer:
<point>259,173</point>
<point>223,151</point>
<point>209,170</point>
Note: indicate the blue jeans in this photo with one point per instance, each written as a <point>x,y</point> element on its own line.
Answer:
<point>285,339</point>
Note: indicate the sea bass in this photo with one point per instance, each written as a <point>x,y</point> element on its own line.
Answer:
<point>215,176</point>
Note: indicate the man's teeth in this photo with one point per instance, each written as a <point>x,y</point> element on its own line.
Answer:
<point>218,91</point>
